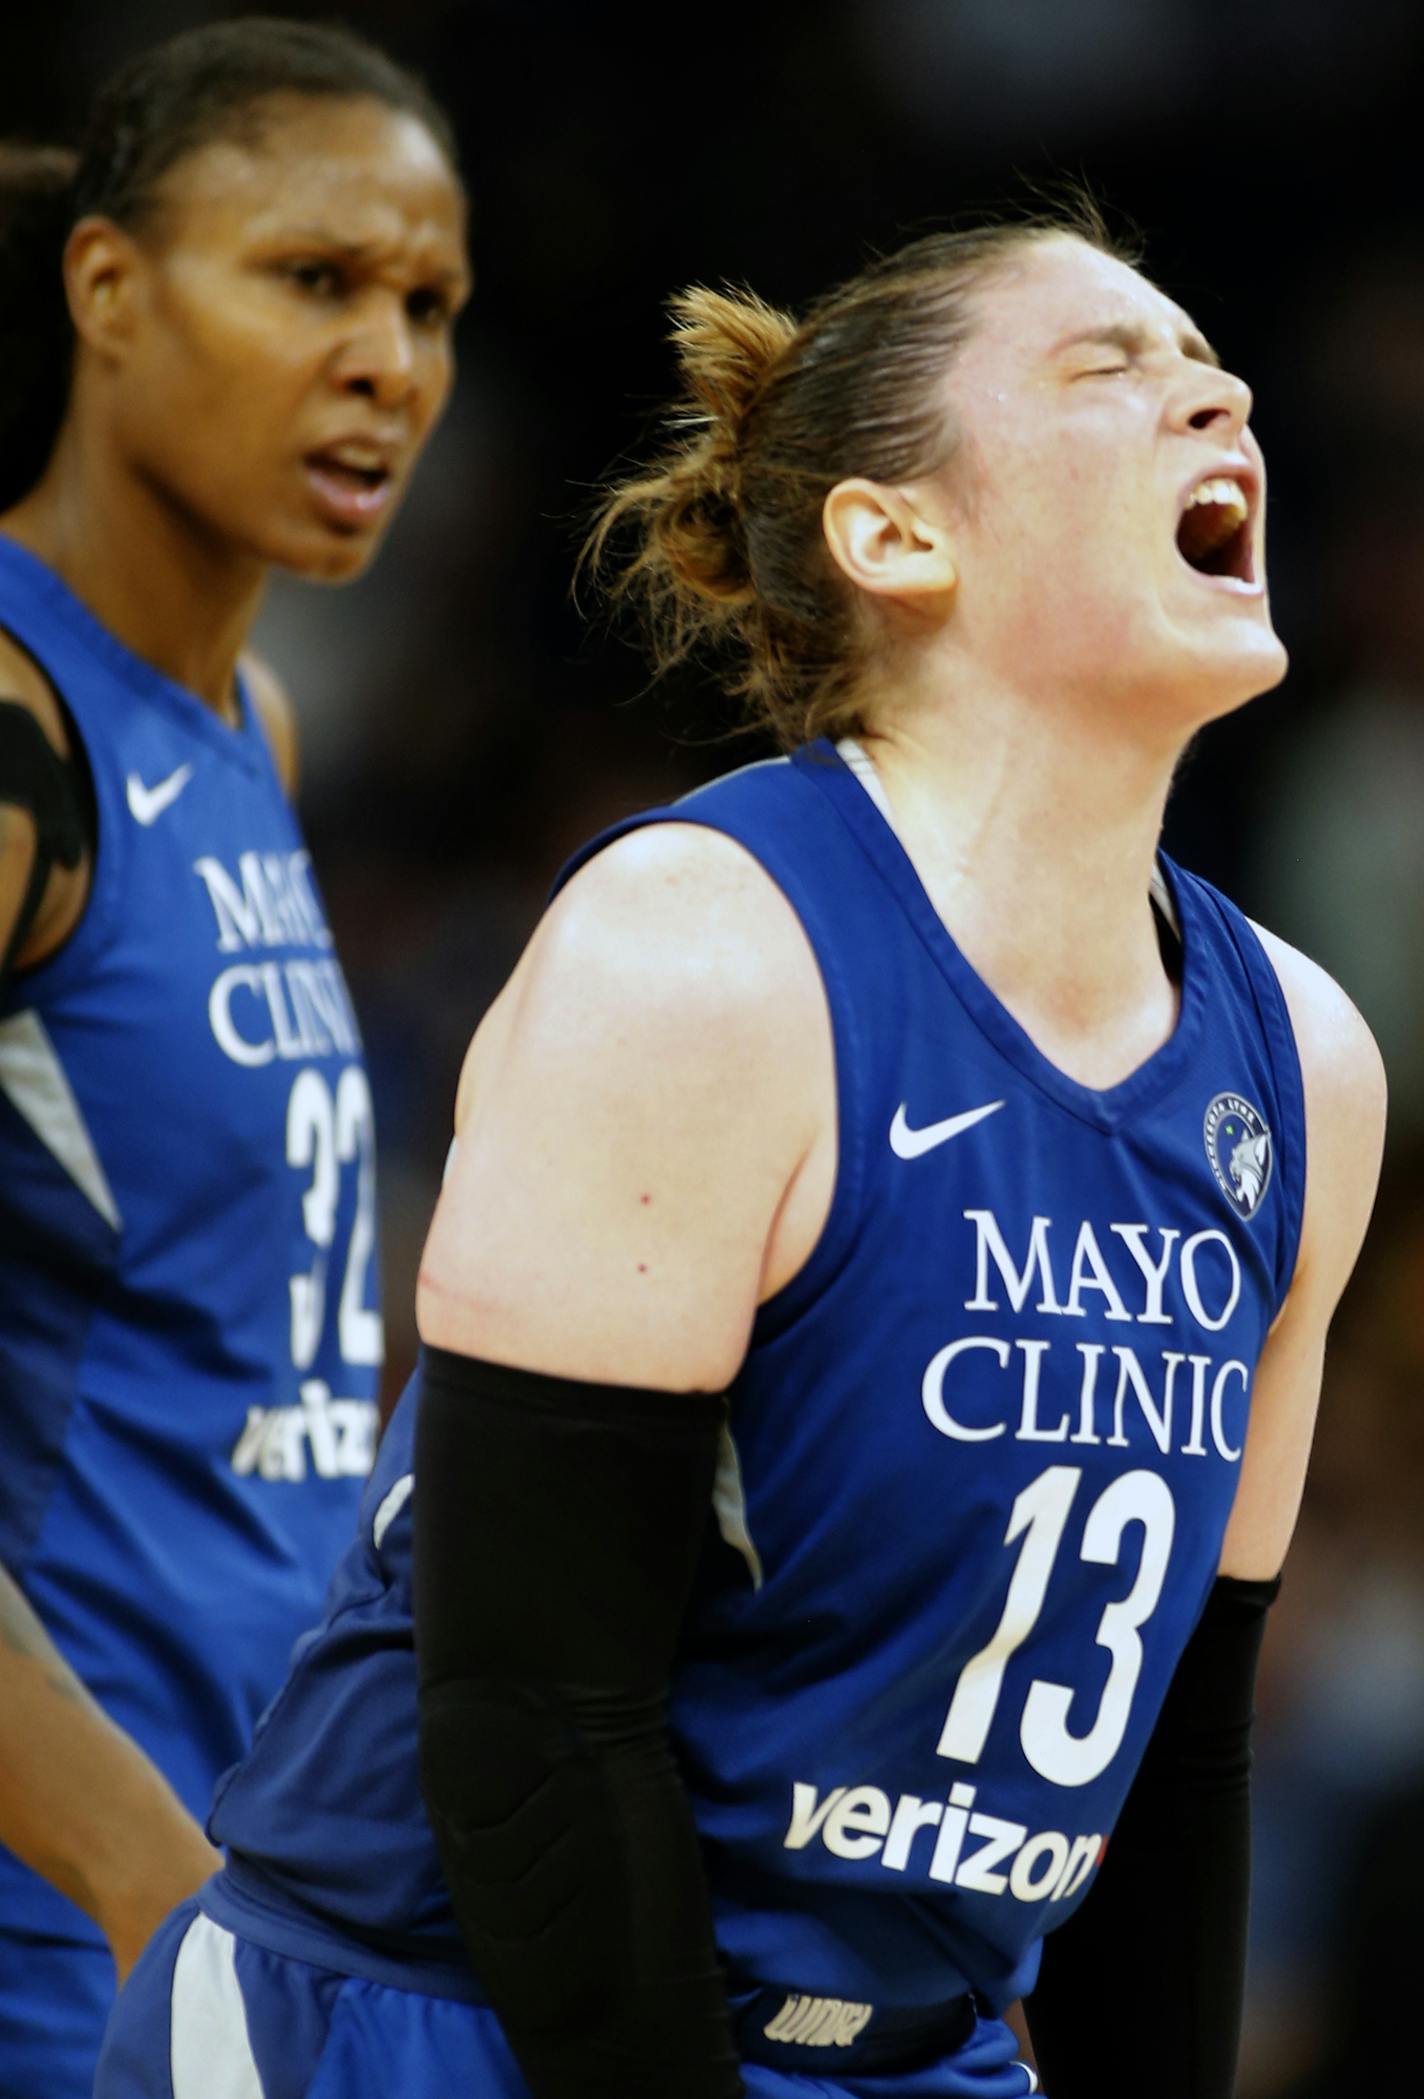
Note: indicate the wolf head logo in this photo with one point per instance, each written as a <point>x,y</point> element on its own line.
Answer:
<point>1239,1151</point>
<point>1249,1166</point>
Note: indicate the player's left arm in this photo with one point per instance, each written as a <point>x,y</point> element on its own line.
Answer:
<point>1344,1114</point>
<point>1180,1854</point>
<point>277,716</point>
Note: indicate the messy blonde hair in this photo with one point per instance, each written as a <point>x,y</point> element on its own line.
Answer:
<point>717,543</point>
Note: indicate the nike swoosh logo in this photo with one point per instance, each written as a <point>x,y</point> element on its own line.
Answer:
<point>911,1144</point>
<point>149,803</point>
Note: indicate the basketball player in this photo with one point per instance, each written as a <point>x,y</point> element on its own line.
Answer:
<point>874,1315</point>
<point>227,338</point>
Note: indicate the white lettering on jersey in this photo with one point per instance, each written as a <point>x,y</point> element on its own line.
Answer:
<point>1090,1271</point>
<point>1175,1418</point>
<point>1179,1397</point>
<point>293,1010</point>
<point>270,903</point>
<point>339,1435</point>
<point>971,1848</point>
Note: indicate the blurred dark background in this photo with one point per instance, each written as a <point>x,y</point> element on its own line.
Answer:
<point>463,728</point>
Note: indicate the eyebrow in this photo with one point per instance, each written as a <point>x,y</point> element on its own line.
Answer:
<point>358,251</point>
<point>1137,342</point>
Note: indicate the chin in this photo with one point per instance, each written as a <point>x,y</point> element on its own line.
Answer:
<point>1230,669</point>
<point>1256,669</point>
<point>330,559</point>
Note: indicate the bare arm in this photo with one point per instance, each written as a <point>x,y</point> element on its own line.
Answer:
<point>643,1155</point>
<point>17,858</point>
<point>79,1801</point>
<point>646,1127</point>
<point>66,889</point>
<point>1345,1112</point>
<point>1186,1823</point>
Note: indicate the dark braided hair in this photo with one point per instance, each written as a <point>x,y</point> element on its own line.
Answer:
<point>203,85</point>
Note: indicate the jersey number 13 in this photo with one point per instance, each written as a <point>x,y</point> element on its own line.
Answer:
<point>1039,1517</point>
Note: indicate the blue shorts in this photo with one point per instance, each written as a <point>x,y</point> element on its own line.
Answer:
<point>56,1991</point>
<point>209,2015</point>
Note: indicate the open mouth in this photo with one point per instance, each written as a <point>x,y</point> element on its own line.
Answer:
<point>1214,535</point>
<point>351,484</point>
<point>346,471</point>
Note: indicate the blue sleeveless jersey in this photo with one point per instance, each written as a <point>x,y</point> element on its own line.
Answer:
<point>982,1454</point>
<point>189,1339</point>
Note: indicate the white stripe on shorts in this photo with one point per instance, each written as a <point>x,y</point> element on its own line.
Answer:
<point>211,2053</point>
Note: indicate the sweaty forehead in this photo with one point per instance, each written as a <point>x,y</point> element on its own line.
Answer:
<point>369,172</point>
<point>1058,287</point>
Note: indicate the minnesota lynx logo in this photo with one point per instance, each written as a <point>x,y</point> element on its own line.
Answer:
<point>1239,1151</point>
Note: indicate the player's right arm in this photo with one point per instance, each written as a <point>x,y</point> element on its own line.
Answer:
<point>24,790</point>
<point>645,1124</point>
<point>645,1136</point>
<point>79,1802</point>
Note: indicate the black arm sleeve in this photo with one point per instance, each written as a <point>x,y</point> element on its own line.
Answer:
<point>557,1530</point>
<point>1161,1938</point>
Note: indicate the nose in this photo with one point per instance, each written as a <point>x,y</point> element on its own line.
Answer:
<point>1214,400</point>
<point>377,359</point>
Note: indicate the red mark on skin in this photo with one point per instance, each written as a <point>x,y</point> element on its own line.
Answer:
<point>645,1198</point>
<point>642,1268</point>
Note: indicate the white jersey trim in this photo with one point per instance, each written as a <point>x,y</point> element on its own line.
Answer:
<point>33,1077</point>
<point>210,2048</point>
<point>392,1502</point>
<point>729,1505</point>
<point>860,762</point>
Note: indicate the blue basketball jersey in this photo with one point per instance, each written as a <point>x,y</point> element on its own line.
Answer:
<point>981,1457</point>
<point>189,1333</point>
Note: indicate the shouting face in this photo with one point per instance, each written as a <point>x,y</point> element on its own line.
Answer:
<point>1107,499</point>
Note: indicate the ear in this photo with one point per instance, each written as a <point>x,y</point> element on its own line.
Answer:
<point>886,546</point>
<point>101,269</point>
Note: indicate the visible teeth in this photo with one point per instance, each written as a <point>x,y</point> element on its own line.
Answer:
<point>1222,495</point>
<point>360,458</point>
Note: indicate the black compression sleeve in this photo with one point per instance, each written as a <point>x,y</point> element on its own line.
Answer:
<point>557,1531</point>
<point>1141,1990</point>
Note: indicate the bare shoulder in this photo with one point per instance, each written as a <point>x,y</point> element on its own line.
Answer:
<point>636,1110</point>
<point>1340,1059</point>
<point>673,936</point>
<point>1345,1103</point>
<point>274,710</point>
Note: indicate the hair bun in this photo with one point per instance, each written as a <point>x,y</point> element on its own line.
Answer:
<point>727,343</point>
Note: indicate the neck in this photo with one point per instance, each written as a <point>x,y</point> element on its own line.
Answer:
<point>168,588</point>
<point>1035,833</point>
